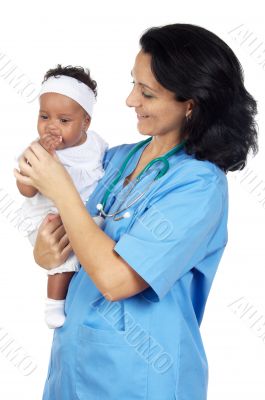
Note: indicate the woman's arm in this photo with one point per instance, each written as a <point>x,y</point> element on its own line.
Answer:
<point>75,229</point>
<point>95,250</point>
<point>114,278</point>
<point>26,190</point>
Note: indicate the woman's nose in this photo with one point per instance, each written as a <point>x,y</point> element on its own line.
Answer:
<point>134,99</point>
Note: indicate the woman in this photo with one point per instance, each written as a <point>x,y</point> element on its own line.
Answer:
<point>135,307</point>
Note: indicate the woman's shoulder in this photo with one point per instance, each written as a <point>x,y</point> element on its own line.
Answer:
<point>192,172</point>
<point>205,167</point>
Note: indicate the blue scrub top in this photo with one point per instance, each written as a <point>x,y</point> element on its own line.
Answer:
<point>148,346</point>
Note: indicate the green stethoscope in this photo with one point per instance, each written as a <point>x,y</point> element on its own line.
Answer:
<point>164,159</point>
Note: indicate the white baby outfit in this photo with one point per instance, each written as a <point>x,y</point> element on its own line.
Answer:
<point>84,165</point>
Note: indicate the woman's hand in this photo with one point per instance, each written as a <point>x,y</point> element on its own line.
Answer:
<point>52,246</point>
<point>43,171</point>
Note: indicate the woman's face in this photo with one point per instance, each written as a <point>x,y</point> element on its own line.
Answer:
<point>157,110</point>
<point>61,116</point>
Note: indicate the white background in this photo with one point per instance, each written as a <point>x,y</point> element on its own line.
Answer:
<point>103,36</point>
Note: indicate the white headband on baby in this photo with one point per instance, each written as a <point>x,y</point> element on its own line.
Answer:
<point>72,88</point>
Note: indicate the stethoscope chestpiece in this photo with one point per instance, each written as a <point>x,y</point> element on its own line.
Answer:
<point>127,214</point>
<point>99,220</point>
<point>99,206</point>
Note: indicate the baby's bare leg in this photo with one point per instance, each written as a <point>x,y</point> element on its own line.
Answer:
<point>58,285</point>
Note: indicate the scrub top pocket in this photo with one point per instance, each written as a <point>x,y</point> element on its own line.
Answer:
<point>107,367</point>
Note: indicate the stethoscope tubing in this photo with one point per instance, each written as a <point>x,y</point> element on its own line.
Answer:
<point>162,172</point>
<point>127,206</point>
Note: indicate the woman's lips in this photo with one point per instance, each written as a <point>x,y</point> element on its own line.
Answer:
<point>140,117</point>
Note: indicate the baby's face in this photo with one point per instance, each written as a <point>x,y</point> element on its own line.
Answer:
<point>60,115</point>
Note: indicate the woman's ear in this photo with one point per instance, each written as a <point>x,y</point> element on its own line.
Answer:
<point>190,105</point>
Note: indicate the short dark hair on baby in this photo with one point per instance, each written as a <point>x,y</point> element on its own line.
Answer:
<point>79,73</point>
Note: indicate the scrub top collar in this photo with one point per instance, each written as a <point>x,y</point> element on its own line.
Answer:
<point>120,191</point>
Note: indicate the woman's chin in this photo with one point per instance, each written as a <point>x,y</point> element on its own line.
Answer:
<point>142,131</point>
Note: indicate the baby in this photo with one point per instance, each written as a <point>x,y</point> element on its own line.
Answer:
<point>66,102</point>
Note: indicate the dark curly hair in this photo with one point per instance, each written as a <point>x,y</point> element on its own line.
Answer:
<point>79,73</point>
<point>196,64</point>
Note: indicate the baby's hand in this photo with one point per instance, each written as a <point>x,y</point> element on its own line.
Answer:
<point>50,142</point>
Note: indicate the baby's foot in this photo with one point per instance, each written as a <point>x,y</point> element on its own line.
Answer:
<point>54,313</point>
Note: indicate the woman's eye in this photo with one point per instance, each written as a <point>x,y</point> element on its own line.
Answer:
<point>43,117</point>
<point>64,120</point>
<point>149,96</point>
